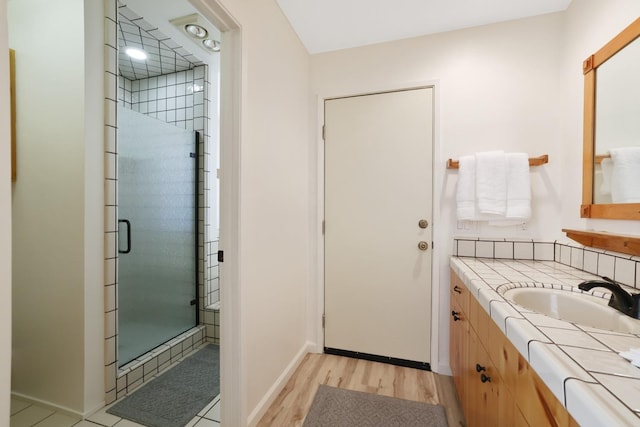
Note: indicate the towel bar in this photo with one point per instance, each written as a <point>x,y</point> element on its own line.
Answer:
<point>533,161</point>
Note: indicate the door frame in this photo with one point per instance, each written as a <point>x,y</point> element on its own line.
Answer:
<point>316,293</point>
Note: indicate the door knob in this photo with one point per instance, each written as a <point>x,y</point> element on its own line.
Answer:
<point>423,246</point>
<point>423,223</point>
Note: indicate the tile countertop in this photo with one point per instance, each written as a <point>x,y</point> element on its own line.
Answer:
<point>579,364</point>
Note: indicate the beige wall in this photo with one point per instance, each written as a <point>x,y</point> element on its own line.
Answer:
<point>497,87</point>
<point>515,86</point>
<point>57,206</point>
<point>5,225</point>
<point>274,199</point>
<point>589,25</point>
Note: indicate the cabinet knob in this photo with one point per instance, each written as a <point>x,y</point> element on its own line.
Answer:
<point>480,368</point>
<point>456,315</point>
<point>485,378</point>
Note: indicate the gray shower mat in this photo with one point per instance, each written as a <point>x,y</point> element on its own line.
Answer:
<point>175,397</point>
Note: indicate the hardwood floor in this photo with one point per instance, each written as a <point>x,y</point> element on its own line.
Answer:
<point>292,404</point>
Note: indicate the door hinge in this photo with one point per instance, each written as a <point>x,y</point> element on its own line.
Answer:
<point>193,302</point>
<point>323,128</point>
<point>220,256</point>
<point>324,317</point>
<point>323,227</point>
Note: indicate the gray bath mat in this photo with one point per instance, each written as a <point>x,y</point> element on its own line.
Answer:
<point>336,407</point>
<point>175,397</point>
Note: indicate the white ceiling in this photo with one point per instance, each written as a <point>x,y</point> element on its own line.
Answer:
<point>326,25</point>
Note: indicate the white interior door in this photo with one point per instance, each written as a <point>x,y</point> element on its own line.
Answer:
<point>378,186</point>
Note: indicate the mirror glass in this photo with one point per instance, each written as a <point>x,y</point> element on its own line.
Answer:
<point>617,124</point>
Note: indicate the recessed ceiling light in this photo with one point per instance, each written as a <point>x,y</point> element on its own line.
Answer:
<point>135,53</point>
<point>195,30</point>
<point>213,45</point>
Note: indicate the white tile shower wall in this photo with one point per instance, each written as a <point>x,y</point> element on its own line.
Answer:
<point>124,92</point>
<point>137,372</point>
<point>212,323</point>
<point>620,267</point>
<point>212,294</point>
<point>110,156</point>
<point>176,98</point>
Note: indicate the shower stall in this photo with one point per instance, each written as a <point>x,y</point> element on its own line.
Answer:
<point>157,233</point>
<point>162,193</point>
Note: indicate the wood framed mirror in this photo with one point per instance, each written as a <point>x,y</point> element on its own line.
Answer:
<point>610,95</point>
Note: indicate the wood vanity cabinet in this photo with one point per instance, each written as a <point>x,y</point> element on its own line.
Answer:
<point>496,385</point>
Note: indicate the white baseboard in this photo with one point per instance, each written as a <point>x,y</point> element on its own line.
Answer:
<point>443,369</point>
<point>48,405</point>
<point>277,386</point>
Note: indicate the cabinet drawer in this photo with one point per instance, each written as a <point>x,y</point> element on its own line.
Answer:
<point>458,346</point>
<point>480,321</point>
<point>459,294</point>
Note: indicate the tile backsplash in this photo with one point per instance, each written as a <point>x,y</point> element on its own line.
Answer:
<point>620,267</point>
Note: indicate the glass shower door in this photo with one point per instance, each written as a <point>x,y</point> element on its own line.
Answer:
<point>157,229</point>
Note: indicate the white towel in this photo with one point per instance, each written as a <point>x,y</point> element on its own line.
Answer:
<point>491,183</point>
<point>607,173</point>
<point>625,178</point>
<point>467,206</point>
<point>518,191</point>
<point>466,191</point>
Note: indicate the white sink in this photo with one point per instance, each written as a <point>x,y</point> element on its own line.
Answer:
<point>574,307</point>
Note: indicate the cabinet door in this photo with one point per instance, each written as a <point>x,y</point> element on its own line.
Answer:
<point>479,401</point>
<point>504,356</point>
<point>502,408</point>
<point>496,406</point>
<point>519,420</point>
<point>458,345</point>
<point>536,401</point>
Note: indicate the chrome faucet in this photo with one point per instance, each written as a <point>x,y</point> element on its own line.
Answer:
<point>620,299</point>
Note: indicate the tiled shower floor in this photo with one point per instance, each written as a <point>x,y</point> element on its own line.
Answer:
<point>24,414</point>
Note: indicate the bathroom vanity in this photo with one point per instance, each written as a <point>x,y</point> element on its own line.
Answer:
<point>513,366</point>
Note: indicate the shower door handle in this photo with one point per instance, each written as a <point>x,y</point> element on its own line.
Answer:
<point>126,251</point>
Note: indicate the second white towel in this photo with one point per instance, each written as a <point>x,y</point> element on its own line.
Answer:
<point>518,191</point>
<point>625,175</point>
<point>491,183</point>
